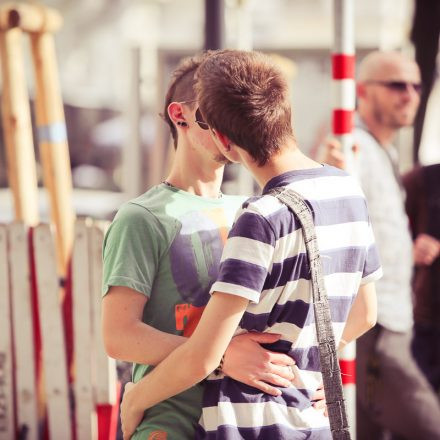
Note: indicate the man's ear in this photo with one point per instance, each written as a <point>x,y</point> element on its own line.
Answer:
<point>176,114</point>
<point>360,90</point>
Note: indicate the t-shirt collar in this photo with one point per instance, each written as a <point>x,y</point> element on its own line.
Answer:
<point>294,175</point>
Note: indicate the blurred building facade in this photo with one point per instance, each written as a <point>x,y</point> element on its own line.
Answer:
<point>100,77</point>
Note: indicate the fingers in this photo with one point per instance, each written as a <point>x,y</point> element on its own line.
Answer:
<point>333,144</point>
<point>334,155</point>
<point>319,394</point>
<point>278,369</point>
<point>265,387</point>
<point>337,157</point>
<point>318,399</point>
<point>280,359</point>
<point>426,258</point>
<point>128,385</point>
<point>276,379</point>
<point>285,373</point>
<point>320,404</point>
<point>426,249</point>
<point>273,356</point>
<point>127,431</point>
<point>126,434</point>
<point>264,338</point>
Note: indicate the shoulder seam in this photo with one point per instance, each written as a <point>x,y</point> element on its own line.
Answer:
<point>266,220</point>
<point>166,250</point>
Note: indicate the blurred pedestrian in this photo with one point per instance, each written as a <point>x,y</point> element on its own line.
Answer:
<point>422,187</point>
<point>392,392</point>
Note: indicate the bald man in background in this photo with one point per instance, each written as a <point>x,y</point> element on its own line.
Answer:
<point>392,393</point>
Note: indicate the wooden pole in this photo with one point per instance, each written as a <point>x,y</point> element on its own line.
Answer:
<point>17,128</point>
<point>132,151</point>
<point>41,22</point>
<point>52,137</point>
<point>30,17</point>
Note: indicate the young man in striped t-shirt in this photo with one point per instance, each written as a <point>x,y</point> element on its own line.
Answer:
<point>264,280</point>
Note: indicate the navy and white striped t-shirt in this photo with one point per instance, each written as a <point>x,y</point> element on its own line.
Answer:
<point>265,261</point>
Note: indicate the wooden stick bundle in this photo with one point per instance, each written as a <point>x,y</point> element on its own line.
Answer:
<point>54,150</point>
<point>40,22</point>
<point>29,17</point>
<point>17,126</point>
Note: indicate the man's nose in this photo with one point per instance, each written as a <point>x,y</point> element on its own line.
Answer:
<point>411,92</point>
<point>414,89</point>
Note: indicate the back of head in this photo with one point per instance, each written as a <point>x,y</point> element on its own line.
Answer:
<point>244,96</point>
<point>181,87</point>
<point>381,65</point>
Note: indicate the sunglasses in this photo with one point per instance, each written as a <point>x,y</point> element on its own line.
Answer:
<point>199,119</point>
<point>398,86</point>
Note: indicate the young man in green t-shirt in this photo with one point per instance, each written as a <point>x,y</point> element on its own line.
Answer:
<point>161,256</point>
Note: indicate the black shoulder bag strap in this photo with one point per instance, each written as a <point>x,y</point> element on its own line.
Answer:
<point>327,350</point>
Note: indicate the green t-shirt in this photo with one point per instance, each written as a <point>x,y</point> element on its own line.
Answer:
<point>167,244</point>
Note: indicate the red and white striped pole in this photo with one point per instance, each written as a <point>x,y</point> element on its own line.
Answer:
<point>343,68</point>
<point>347,363</point>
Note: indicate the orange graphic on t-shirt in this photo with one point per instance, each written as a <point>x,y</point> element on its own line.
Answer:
<point>219,218</point>
<point>187,318</point>
<point>158,435</point>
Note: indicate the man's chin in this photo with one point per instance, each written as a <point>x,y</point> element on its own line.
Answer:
<point>408,122</point>
<point>404,121</point>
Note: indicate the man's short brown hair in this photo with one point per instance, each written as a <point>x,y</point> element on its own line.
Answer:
<point>181,87</point>
<point>244,96</point>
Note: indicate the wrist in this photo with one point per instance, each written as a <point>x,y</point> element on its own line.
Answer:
<point>133,399</point>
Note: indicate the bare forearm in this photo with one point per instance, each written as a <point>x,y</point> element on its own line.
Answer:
<point>142,344</point>
<point>175,374</point>
<point>125,336</point>
<point>351,332</point>
<point>196,358</point>
<point>363,314</point>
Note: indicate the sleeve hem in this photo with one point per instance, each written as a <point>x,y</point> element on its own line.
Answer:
<point>235,289</point>
<point>374,276</point>
<point>126,282</point>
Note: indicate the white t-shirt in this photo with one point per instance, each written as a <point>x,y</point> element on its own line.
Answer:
<point>385,198</point>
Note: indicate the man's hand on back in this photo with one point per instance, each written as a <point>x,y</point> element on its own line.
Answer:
<point>249,363</point>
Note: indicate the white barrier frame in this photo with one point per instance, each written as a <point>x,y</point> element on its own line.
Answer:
<point>85,414</point>
<point>52,335</point>
<point>7,427</point>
